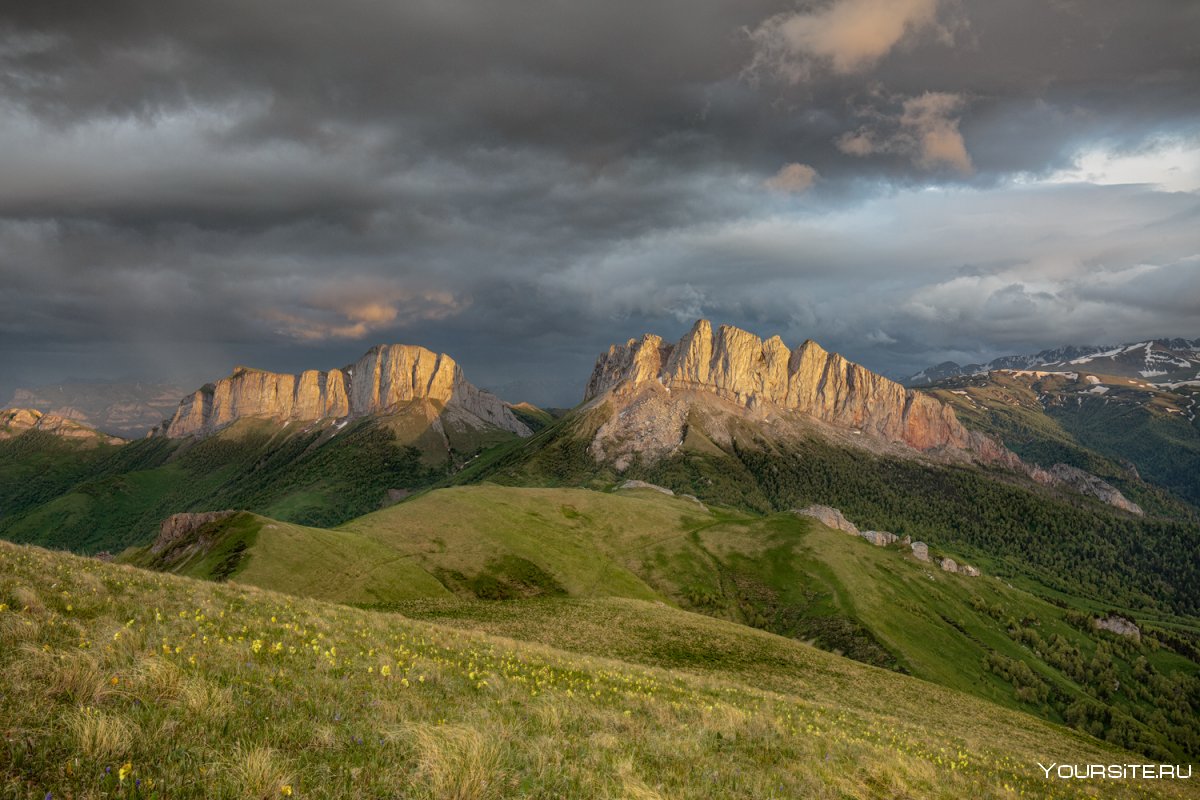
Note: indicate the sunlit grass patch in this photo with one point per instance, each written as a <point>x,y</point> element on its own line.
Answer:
<point>172,688</point>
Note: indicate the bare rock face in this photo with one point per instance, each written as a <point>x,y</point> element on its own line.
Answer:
<point>743,369</point>
<point>829,517</point>
<point>16,421</point>
<point>749,373</point>
<point>948,564</point>
<point>1087,483</point>
<point>920,551</point>
<point>384,379</point>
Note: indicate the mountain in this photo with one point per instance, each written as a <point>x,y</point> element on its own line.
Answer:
<point>1132,433</point>
<point>313,449</point>
<point>1162,361</point>
<point>123,408</point>
<point>656,389</point>
<point>17,421</point>
<point>386,380</point>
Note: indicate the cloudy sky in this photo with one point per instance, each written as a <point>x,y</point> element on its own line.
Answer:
<point>187,186</point>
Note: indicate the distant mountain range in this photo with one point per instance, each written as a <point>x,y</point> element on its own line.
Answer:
<point>121,408</point>
<point>1155,361</point>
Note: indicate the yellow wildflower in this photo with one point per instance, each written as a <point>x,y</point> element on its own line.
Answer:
<point>385,670</point>
<point>124,771</point>
<point>256,645</point>
<point>286,790</point>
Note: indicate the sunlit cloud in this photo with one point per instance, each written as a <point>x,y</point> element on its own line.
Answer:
<point>925,131</point>
<point>792,178</point>
<point>355,312</point>
<point>845,36</point>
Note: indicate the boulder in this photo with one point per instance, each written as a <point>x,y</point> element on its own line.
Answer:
<point>879,538</point>
<point>920,551</point>
<point>829,517</point>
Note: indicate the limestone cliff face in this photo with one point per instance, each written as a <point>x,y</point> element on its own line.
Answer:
<point>16,421</point>
<point>744,370</point>
<point>740,367</point>
<point>383,380</point>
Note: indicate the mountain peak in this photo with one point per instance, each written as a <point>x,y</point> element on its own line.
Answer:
<point>384,378</point>
<point>16,421</point>
<point>738,366</point>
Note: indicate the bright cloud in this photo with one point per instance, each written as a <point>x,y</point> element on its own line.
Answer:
<point>846,36</point>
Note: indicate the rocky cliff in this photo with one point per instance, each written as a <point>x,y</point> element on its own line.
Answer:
<point>647,379</point>
<point>16,421</point>
<point>738,366</point>
<point>382,381</point>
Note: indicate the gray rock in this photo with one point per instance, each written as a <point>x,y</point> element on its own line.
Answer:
<point>920,550</point>
<point>829,517</point>
<point>879,538</point>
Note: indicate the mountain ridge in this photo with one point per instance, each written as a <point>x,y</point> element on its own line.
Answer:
<point>656,386</point>
<point>1163,357</point>
<point>383,379</point>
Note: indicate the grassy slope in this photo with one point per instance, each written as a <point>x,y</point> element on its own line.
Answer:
<point>309,477</point>
<point>312,562</point>
<point>1057,538</point>
<point>211,690</point>
<point>1099,434</point>
<point>779,573</point>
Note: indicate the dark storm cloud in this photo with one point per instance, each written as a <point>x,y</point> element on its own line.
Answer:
<point>520,184</point>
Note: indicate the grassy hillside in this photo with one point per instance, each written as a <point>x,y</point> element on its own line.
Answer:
<point>1058,538</point>
<point>779,573</point>
<point>123,683</point>
<point>1128,436</point>
<point>118,498</point>
<point>312,562</point>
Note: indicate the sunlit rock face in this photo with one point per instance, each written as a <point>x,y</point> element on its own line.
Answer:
<point>657,388</point>
<point>742,368</point>
<point>384,379</point>
<point>17,421</point>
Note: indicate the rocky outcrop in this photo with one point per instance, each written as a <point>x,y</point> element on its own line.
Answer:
<point>16,421</point>
<point>385,379</point>
<point>1088,484</point>
<point>829,517</point>
<point>740,367</point>
<point>880,538</point>
<point>920,551</point>
<point>1119,626</point>
<point>177,529</point>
